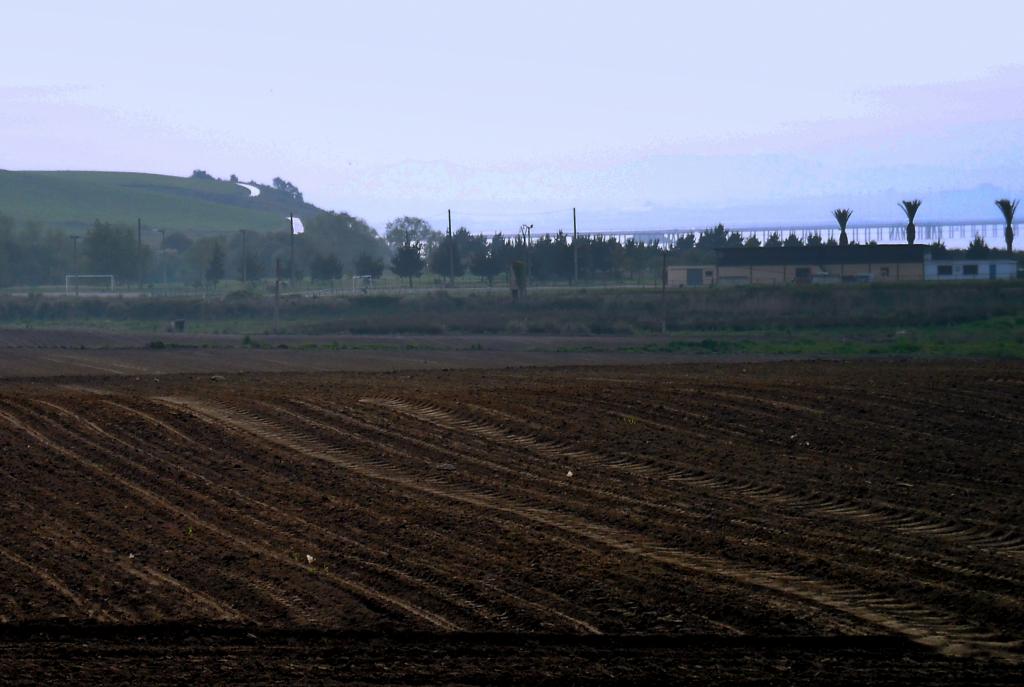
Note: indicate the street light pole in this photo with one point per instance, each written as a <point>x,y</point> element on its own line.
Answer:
<point>529,251</point>
<point>451,252</point>
<point>291,259</point>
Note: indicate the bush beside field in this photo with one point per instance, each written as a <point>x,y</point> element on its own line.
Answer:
<point>568,312</point>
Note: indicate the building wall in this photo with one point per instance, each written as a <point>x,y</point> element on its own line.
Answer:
<point>959,270</point>
<point>754,274</point>
<point>788,274</point>
<point>677,275</point>
<point>880,271</point>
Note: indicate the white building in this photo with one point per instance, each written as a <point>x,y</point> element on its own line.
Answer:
<point>959,269</point>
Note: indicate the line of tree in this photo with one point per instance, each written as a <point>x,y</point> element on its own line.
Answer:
<point>417,248</point>
<point>333,244</point>
<point>337,244</point>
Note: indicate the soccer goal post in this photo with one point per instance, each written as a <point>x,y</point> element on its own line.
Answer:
<point>94,282</point>
<point>362,282</point>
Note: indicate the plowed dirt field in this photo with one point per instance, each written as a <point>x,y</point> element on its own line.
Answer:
<point>859,522</point>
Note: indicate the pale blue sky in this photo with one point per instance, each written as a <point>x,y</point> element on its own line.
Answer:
<point>387,108</point>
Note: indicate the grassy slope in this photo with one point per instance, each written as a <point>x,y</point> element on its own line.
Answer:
<point>75,199</point>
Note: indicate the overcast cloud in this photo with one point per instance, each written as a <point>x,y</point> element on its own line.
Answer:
<point>389,108</point>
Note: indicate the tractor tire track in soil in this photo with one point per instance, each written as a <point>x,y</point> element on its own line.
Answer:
<point>927,626</point>
<point>228,537</point>
<point>1002,542</point>
<point>992,537</point>
<point>804,532</point>
<point>300,528</point>
<point>640,519</point>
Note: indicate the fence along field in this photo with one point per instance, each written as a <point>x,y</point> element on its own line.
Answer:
<point>740,501</point>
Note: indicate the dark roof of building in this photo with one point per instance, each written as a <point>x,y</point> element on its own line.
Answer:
<point>820,255</point>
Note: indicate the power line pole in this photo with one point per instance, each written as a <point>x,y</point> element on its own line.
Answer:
<point>139,249</point>
<point>664,292</point>
<point>74,258</point>
<point>451,252</point>
<point>575,252</point>
<point>529,257</point>
<point>291,260</point>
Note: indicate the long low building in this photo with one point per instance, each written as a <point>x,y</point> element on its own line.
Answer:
<point>836,264</point>
<point>821,264</point>
<point>981,268</point>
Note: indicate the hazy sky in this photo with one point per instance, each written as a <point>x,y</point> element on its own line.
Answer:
<point>502,110</point>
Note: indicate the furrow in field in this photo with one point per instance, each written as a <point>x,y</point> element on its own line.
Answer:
<point>301,532</point>
<point>131,532</point>
<point>926,626</point>
<point>490,590</point>
<point>230,538</point>
<point>428,558</point>
<point>86,541</point>
<point>983,536</point>
<point>801,539</point>
<point>361,552</point>
<point>142,504</point>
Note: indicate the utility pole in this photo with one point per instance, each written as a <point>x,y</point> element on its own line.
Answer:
<point>74,258</point>
<point>525,231</point>
<point>245,261</point>
<point>575,252</point>
<point>529,254</point>
<point>664,292</point>
<point>291,260</point>
<point>139,249</point>
<point>451,252</point>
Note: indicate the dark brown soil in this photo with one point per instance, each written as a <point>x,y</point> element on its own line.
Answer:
<point>776,522</point>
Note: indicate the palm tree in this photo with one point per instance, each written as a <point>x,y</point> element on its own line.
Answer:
<point>1008,209</point>
<point>910,208</point>
<point>843,217</point>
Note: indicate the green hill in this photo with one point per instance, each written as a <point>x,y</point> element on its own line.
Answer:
<point>74,200</point>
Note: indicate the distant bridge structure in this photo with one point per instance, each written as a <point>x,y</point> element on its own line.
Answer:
<point>884,232</point>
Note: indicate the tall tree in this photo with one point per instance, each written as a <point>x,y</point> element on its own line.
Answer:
<point>910,208</point>
<point>369,266</point>
<point>341,235</point>
<point>843,217</point>
<point>325,268</point>
<point>287,187</point>
<point>718,237</point>
<point>1009,209</point>
<point>685,243</point>
<point>215,268</point>
<point>487,263</point>
<point>978,248</point>
<point>408,261</point>
<point>401,231</point>
<point>441,261</point>
<point>111,249</point>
